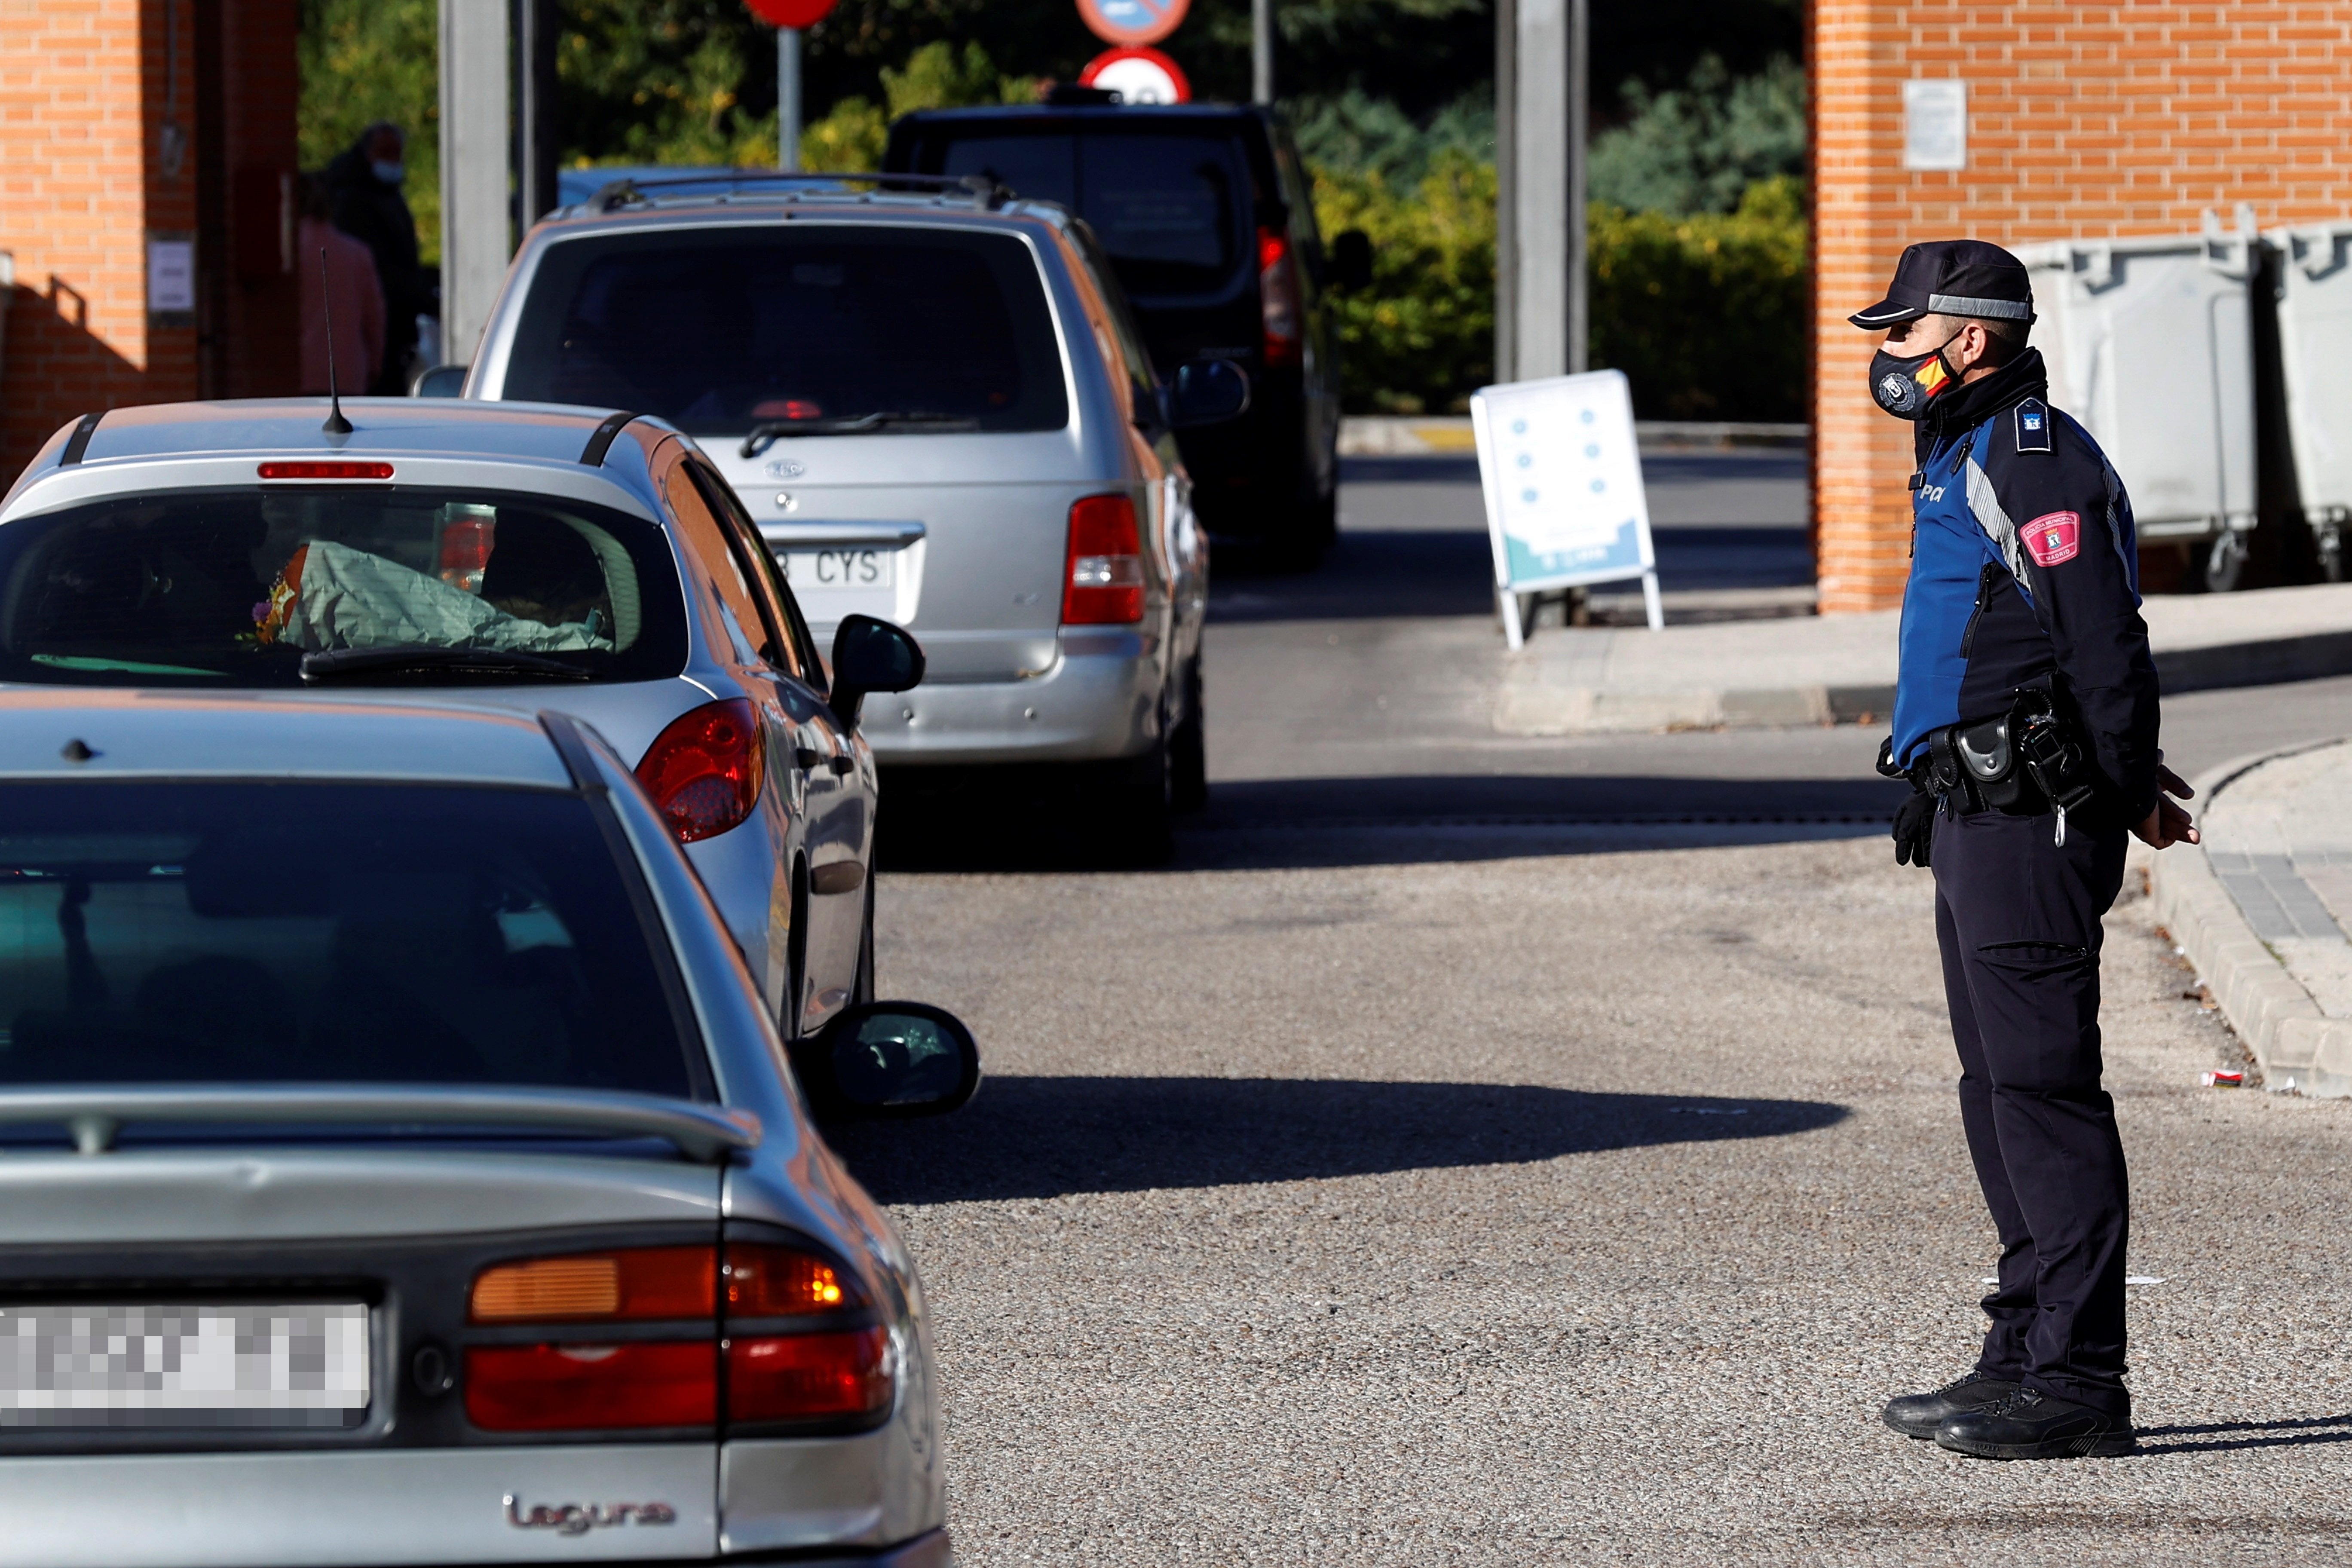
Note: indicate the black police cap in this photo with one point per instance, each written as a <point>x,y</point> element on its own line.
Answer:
<point>1953,277</point>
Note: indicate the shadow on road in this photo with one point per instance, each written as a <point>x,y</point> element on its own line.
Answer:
<point>1043,1137</point>
<point>1433,572</point>
<point>1009,820</point>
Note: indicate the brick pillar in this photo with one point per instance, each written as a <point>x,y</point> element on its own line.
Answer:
<point>2084,120</point>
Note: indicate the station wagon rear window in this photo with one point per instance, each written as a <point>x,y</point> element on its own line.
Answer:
<point>254,933</point>
<point>721,329</point>
<point>234,586</point>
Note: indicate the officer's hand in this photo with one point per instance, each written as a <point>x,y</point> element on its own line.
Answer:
<point>2168,825</point>
<point>1914,829</point>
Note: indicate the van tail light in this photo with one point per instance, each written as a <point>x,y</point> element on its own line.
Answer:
<point>772,1368</point>
<point>554,1388</point>
<point>1278,302</point>
<point>705,770</point>
<point>800,1377</point>
<point>1105,585</point>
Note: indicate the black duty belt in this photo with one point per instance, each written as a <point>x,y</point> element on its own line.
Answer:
<point>2024,762</point>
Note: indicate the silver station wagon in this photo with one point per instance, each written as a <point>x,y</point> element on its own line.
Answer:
<point>399,1164</point>
<point>938,409</point>
<point>507,556</point>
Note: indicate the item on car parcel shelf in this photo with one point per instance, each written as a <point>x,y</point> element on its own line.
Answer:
<point>2220,1079</point>
<point>330,595</point>
<point>469,534</point>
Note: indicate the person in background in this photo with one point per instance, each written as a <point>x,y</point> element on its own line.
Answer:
<point>349,288</point>
<point>365,197</point>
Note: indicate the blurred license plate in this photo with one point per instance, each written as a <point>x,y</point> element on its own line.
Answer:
<point>811,570</point>
<point>152,1365</point>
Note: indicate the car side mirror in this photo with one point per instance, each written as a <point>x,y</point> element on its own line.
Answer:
<point>441,381</point>
<point>1207,392</point>
<point>871,655</point>
<point>1351,259</point>
<point>888,1061</point>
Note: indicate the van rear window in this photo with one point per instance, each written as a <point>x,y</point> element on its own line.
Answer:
<point>1171,207</point>
<point>717,329</point>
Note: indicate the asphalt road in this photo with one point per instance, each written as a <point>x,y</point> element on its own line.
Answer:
<point>1503,1150</point>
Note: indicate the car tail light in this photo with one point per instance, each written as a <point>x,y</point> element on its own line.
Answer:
<point>326,470</point>
<point>756,1374</point>
<point>1278,293</point>
<point>704,772</point>
<point>640,1282</point>
<point>795,1377</point>
<point>1105,586</point>
<point>777,1282</point>
<point>549,1388</point>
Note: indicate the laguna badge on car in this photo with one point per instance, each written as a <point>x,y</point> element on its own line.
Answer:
<point>786,468</point>
<point>579,1519</point>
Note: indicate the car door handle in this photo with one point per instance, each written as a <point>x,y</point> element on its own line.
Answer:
<point>842,764</point>
<point>805,759</point>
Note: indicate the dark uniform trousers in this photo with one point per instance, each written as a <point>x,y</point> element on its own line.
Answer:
<point>2018,919</point>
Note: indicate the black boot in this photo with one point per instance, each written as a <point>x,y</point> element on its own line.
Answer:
<point>1920,1415</point>
<point>2032,1424</point>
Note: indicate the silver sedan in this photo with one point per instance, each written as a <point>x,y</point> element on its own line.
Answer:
<point>401,1165</point>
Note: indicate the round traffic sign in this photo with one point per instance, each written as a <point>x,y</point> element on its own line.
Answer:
<point>1131,22</point>
<point>1138,76</point>
<point>791,13</point>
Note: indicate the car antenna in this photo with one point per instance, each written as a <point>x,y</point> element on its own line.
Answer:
<point>336,424</point>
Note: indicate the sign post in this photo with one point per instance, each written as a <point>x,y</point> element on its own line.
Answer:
<point>1562,477</point>
<point>790,18</point>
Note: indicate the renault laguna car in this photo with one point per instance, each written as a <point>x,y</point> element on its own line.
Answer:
<point>399,1164</point>
<point>935,405</point>
<point>509,556</point>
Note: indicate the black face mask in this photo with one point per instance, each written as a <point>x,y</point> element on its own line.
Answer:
<point>1905,386</point>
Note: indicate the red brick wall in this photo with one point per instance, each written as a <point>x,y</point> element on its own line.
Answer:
<point>82,107</point>
<point>2084,120</point>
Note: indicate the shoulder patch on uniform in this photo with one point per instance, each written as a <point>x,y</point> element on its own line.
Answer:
<point>2032,425</point>
<point>2054,537</point>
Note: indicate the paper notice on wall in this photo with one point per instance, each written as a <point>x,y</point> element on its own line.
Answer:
<point>171,276</point>
<point>1935,123</point>
<point>1563,481</point>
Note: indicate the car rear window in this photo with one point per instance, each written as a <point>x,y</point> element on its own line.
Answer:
<point>322,934</point>
<point>718,329</point>
<point>1171,205</point>
<point>233,586</point>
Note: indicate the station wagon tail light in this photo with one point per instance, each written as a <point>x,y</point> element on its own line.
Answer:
<point>1278,303</point>
<point>705,770</point>
<point>323,471</point>
<point>770,1369</point>
<point>1105,585</point>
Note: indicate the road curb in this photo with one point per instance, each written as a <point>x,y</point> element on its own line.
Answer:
<point>2298,1047</point>
<point>1528,706</point>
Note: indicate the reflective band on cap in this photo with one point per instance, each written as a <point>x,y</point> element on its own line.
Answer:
<point>1998,309</point>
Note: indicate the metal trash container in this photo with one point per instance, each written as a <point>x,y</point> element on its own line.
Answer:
<point>2149,340</point>
<point>2315,311</point>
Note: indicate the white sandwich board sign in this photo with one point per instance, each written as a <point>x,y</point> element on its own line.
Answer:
<point>1563,480</point>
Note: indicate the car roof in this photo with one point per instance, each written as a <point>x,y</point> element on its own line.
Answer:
<point>127,443</point>
<point>58,733</point>
<point>758,197</point>
<point>1195,113</point>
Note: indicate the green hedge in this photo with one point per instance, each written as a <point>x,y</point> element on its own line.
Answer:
<point>1706,314</point>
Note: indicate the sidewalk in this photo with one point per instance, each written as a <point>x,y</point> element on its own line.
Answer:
<point>1807,670</point>
<point>2263,908</point>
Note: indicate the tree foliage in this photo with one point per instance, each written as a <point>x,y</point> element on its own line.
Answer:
<point>365,60</point>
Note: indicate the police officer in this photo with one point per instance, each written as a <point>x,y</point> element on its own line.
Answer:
<point>2025,716</point>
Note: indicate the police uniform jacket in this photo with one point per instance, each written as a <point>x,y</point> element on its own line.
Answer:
<point>2025,571</point>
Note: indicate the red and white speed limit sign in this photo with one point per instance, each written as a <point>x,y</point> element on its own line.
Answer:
<point>1138,76</point>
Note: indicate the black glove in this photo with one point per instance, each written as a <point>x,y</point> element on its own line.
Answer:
<point>1914,829</point>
